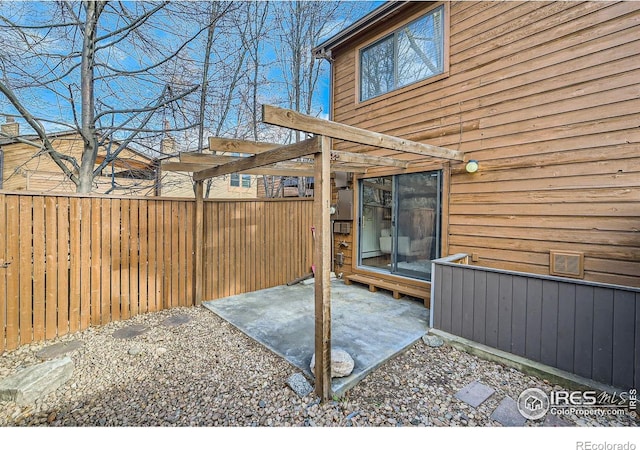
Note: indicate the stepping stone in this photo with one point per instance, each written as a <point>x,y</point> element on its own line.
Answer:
<point>59,349</point>
<point>507,414</point>
<point>474,393</point>
<point>26,386</point>
<point>130,331</point>
<point>175,320</point>
<point>299,384</point>
<point>555,421</point>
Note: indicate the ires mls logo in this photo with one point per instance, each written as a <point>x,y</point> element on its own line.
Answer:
<point>574,398</point>
<point>534,403</point>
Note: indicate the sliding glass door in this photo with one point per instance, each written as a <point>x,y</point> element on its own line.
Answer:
<point>399,223</point>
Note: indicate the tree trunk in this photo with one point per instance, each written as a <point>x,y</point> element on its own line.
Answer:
<point>88,128</point>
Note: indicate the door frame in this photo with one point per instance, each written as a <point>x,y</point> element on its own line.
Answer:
<point>444,220</point>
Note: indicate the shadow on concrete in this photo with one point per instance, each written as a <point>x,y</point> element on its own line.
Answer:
<point>371,327</point>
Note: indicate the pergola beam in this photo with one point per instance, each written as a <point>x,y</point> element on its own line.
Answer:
<point>239,146</point>
<point>175,166</point>
<point>203,158</point>
<point>278,154</point>
<point>360,158</point>
<point>296,121</point>
<point>284,169</point>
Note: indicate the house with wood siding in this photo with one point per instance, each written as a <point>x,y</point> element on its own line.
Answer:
<point>25,167</point>
<point>542,98</point>
<point>530,244</point>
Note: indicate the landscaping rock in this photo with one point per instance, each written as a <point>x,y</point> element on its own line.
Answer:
<point>341,363</point>
<point>432,341</point>
<point>554,421</point>
<point>135,350</point>
<point>299,384</point>
<point>214,375</point>
<point>28,385</point>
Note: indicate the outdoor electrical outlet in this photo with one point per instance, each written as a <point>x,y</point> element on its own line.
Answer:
<point>340,259</point>
<point>475,257</point>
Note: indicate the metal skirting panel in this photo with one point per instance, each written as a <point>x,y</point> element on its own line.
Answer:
<point>589,329</point>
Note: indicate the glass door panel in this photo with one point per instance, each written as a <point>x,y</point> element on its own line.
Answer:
<point>417,223</point>
<point>376,211</point>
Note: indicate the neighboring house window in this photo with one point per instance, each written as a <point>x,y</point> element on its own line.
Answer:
<point>412,53</point>
<point>238,180</point>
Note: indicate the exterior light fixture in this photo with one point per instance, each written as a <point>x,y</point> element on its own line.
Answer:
<point>472,166</point>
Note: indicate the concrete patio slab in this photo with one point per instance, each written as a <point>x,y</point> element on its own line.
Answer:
<point>371,327</point>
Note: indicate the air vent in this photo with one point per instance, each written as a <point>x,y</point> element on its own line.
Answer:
<point>566,263</point>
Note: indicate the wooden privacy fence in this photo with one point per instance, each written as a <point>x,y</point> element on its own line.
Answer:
<point>586,328</point>
<point>69,262</point>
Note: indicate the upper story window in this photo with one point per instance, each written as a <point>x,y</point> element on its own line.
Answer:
<point>412,53</point>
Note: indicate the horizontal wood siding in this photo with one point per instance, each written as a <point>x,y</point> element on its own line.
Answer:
<point>67,263</point>
<point>546,96</point>
<point>583,328</point>
<point>27,168</point>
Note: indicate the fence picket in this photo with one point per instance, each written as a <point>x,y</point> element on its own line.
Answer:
<point>38,268</point>
<point>13,272</point>
<point>3,273</point>
<point>25,234</point>
<point>75,261</point>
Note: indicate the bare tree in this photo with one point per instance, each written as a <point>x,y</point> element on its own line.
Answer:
<point>90,59</point>
<point>301,26</point>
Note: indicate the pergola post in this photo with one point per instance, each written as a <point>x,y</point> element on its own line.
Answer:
<point>199,243</point>
<point>322,261</point>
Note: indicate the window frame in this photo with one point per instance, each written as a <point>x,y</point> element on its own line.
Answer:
<point>378,38</point>
<point>240,177</point>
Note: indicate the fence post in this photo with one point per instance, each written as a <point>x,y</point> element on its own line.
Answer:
<point>199,243</point>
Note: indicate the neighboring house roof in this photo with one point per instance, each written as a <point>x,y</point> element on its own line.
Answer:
<point>33,137</point>
<point>378,15</point>
<point>131,163</point>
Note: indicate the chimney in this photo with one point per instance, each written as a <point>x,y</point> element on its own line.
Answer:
<point>168,143</point>
<point>11,128</point>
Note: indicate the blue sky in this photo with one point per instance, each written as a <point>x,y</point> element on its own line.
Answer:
<point>43,102</point>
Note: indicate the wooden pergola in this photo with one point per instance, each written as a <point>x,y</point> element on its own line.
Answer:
<point>275,159</point>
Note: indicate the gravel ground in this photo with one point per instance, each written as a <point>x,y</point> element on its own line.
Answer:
<point>207,373</point>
